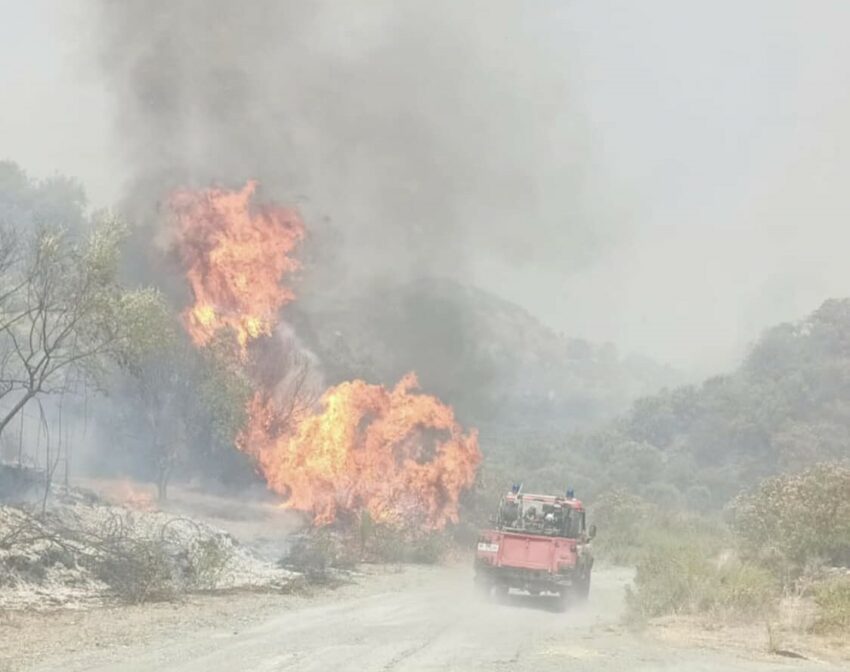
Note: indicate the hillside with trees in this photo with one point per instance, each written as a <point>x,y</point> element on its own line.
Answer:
<point>500,367</point>
<point>786,407</point>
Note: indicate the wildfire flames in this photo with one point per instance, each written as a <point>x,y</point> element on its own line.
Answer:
<point>398,454</point>
<point>235,258</point>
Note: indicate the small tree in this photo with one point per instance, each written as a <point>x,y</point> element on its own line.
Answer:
<point>190,401</point>
<point>217,411</point>
<point>65,311</point>
<point>164,392</point>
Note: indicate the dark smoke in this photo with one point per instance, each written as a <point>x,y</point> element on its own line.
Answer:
<point>410,133</point>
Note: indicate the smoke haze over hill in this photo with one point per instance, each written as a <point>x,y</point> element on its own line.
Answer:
<point>663,177</point>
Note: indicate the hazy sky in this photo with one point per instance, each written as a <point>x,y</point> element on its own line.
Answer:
<point>713,141</point>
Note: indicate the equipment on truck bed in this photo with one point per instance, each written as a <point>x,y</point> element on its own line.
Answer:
<point>540,544</point>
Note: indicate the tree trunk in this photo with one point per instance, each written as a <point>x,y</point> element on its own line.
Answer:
<point>163,472</point>
<point>162,485</point>
<point>15,410</point>
<point>49,465</point>
<point>21,443</point>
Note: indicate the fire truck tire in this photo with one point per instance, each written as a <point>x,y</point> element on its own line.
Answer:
<point>483,588</point>
<point>499,594</point>
<point>563,601</point>
<point>581,588</point>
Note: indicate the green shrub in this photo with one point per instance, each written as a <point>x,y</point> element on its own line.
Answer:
<point>673,580</point>
<point>793,520</point>
<point>622,519</point>
<point>746,590</point>
<point>670,581</point>
<point>832,598</point>
<point>629,527</point>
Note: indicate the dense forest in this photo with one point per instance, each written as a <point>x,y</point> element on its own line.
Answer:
<point>783,409</point>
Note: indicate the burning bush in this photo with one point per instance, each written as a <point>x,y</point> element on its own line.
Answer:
<point>395,453</point>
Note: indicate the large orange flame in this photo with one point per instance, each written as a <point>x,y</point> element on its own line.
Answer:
<point>398,454</point>
<point>235,257</point>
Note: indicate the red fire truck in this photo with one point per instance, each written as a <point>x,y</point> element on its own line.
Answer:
<point>539,544</point>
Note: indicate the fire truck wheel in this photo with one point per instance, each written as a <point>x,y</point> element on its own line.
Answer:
<point>483,588</point>
<point>500,594</point>
<point>563,601</point>
<point>581,588</point>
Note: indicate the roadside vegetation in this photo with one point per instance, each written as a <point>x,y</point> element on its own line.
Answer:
<point>322,553</point>
<point>729,496</point>
<point>787,538</point>
<point>682,580</point>
<point>832,598</point>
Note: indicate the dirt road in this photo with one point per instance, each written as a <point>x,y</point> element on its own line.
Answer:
<point>424,618</point>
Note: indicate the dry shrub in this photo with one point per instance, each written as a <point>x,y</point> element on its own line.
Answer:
<point>160,565</point>
<point>408,542</point>
<point>321,550</point>
<point>139,571</point>
<point>137,562</point>
<point>388,544</point>
<point>832,598</point>
<point>316,553</point>
<point>208,559</point>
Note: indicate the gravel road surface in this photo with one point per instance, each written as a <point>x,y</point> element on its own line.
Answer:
<point>423,618</point>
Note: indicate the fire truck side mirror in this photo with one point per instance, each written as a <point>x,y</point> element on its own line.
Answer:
<point>591,532</point>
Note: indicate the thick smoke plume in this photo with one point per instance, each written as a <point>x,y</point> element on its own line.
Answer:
<point>414,132</point>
